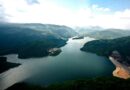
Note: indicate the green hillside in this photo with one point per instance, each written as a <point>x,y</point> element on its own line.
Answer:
<point>105,47</point>
<point>32,40</point>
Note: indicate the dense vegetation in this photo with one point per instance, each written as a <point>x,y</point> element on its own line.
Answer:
<point>4,65</point>
<point>104,83</point>
<point>105,47</point>
<point>109,34</point>
<point>55,30</point>
<point>32,40</point>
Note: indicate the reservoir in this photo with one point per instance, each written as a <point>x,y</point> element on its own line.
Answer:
<point>70,64</point>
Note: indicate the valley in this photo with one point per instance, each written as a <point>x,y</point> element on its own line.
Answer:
<point>64,44</point>
<point>34,46</point>
<point>21,38</point>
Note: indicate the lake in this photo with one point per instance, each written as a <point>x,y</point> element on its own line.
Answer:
<point>70,64</point>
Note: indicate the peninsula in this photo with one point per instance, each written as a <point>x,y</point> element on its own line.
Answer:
<point>116,51</point>
<point>4,65</point>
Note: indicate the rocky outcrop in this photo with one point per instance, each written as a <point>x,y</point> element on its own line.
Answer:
<point>78,37</point>
<point>54,51</point>
<point>122,70</point>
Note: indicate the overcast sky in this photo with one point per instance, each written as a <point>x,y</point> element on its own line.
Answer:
<point>104,13</point>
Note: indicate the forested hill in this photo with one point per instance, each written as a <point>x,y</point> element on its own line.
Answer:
<point>46,29</point>
<point>32,40</point>
<point>105,47</point>
<point>109,34</point>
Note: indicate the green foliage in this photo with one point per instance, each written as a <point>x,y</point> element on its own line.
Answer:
<point>32,40</point>
<point>102,83</point>
<point>105,47</point>
<point>24,86</point>
<point>38,48</point>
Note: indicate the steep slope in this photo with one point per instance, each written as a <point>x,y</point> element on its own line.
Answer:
<point>62,31</point>
<point>28,41</point>
<point>55,30</point>
<point>105,47</point>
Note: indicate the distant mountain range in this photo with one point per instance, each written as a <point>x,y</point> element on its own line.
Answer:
<point>56,30</point>
<point>109,34</point>
<point>33,39</point>
<point>101,33</point>
<point>87,30</point>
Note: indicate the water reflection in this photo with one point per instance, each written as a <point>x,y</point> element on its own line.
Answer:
<point>70,64</point>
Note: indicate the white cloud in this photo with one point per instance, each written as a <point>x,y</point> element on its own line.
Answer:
<point>100,9</point>
<point>2,13</point>
<point>49,12</point>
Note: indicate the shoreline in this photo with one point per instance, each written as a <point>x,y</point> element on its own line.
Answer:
<point>120,71</point>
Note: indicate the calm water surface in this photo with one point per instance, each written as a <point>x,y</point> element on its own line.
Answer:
<point>70,64</point>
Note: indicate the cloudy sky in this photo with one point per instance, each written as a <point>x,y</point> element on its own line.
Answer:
<point>104,13</point>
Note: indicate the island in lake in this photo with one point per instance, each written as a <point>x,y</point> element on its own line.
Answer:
<point>54,51</point>
<point>39,40</point>
<point>32,39</point>
<point>78,37</point>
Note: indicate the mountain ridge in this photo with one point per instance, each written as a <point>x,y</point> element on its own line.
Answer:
<point>15,38</point>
